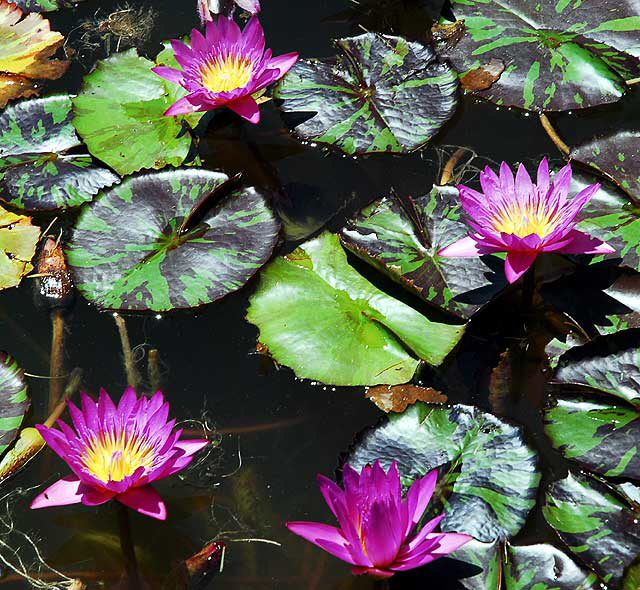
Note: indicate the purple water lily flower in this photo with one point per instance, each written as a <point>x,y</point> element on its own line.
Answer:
<point>375,522</point>
<point>207,8</point>
<point>516,216</point>
<point>116,452</point>
<point>225,67</point>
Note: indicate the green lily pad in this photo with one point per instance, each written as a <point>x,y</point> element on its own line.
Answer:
<point>317,315</point>
<point>597,524</point>
<point>18,239</point>
<point>120,114</point>
<point>128,252</point>
<point>403,239</point>
<point>528,567</point>
<point>36,172</point>
<point>616,156</point>
<point>558,55</point>
<point>14,402</point>
<point>45,5</point>
<point>380,94</point>
<point>487,472</point>
<point>602,430</point>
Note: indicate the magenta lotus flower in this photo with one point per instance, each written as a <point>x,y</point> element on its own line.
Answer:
<point>376,522</point>
<point>117,453</point>
<point>523,219</point>
<point>225,68</point>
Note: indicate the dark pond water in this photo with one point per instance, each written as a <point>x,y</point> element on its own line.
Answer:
<point>276,432</point>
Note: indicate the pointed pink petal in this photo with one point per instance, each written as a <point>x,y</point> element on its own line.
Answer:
<point>283,62</point>
<point>450,542</point>
<point>467,247</point>
<point>542,180</point>
<point>371,571</point>
<point>180,107</point>
<point>582,243</point>
<point>144,500</point>
<point>324,536</point>
<point>247,108</point>
<point>418,498</point>
<point>252,6</point>
<point>382,533</point>
<point>191,446</point>
<point>62,493</point>
<point>171,74</point>
<point>331,493</point>
<point>517,263</point>
<point>95,496</point>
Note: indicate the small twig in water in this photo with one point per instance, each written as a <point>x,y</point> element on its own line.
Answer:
<point>447,173</point>
<point>553,135</point>
<point>133,378</point>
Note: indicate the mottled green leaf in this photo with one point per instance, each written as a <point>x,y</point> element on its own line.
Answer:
<point>617,156</point>
<point>128,252</point>
<point>14,402</point>
<point>18,239</point>
<point>596,523</point>
<point>36,172</point>
<point>45,5</point>
<point>380,94</point>
<point>529,567</point>
<point>489,479</point>
<point>559,55</point>
<point>317,315</point>
<point>403,238</point>
<point>119,114</point>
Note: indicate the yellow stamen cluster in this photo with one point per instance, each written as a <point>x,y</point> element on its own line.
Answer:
<point>113,456</point>
<point>525,219</point>
<point>226,73</point>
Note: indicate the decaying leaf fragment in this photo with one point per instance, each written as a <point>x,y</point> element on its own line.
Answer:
<point>396,398</point>
<point>484,76</point>
<point>18,239</point>
<point>26,44</point>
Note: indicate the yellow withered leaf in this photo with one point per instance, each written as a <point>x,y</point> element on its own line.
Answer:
<point>18,239</point>
<point>26,46</point>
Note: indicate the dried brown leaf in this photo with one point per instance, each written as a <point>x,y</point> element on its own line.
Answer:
<point>396,398</point>
<point>483,77</point>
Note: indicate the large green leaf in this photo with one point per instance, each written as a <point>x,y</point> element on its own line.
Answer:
<point>45,5</point>
<point>35,170</point>
<point>403,239</point>
<point>317,315</point>
<point>120,115</point>
<point>558,55</point>
<point>489,478</point>
<point>128,250</point>
<point>530,567</point>
<point>596,523</point>
<point>380,94</point>
<point>600,432</point>
<point>617,156</point>
<point>14,402</point>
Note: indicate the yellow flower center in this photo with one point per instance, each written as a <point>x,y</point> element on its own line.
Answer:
<point>226,73</point>
<point>523,220</point>
<point>114,456</point>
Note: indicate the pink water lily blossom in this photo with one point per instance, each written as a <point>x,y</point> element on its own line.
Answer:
<point>224,68</point>
<point>376,522</point>
<point>523,219</point>
<point>117,452</point>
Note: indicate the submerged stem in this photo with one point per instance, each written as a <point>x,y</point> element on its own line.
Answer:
<point>133,378</point>
<point>553,135</point>
<point>128,548</point>
<point>56,362</point>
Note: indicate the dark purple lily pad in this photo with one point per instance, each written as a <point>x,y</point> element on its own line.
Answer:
<point>14,402</point>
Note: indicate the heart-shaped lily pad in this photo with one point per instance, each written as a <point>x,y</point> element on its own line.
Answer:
<point>601,431</point>
<point>380,94</point>
<point>317,315</point>
<point>35,170</point>
<point>617,156</point>
<point>132,250</point>
<point>528,567</point>
<point>14,402</point>
<point>18,239</point>
<point>488,473</point>
<point>402,238</point>
<point>598,525</point>
<point>135,134</point>
<point>557,55</point>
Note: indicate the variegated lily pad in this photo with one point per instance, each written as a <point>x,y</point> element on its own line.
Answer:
<point>558,55</point>
<point>597,524</point>
<point>14,402</point>
<point>36,172</point>
<point>488,480</point>
<point>402,238</point>
<point>380,94</point>
<point>150,244</point>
